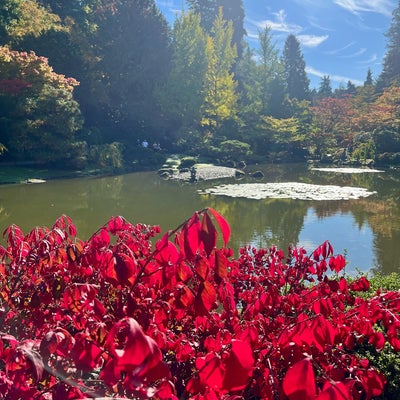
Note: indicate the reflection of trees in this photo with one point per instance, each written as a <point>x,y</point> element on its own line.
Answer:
<point>383,217</point>
<point>261,222</point>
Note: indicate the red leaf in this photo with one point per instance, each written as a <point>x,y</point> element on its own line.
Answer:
<point>360,285</point>
<point>335,391</point>
<point>208,234</point>
<point>131,347</point>
<point>85,353</point>
<point>190,236</point>
<point>211,371</point>
<point>125,268</point>
<point>223,225</point>
<point>202,267</point>
<point>165,251</point>
<point>208,295</point>
<point>239,366</point>
<point>221,265</point>
<point>299,381</point>
<point>337,263</point>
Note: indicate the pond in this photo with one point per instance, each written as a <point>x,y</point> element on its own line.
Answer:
<point>366,230</point>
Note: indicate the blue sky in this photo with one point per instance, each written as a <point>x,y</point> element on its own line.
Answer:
<point>339,38</point>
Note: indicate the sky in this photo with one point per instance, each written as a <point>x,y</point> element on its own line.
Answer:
<point>339,38</point>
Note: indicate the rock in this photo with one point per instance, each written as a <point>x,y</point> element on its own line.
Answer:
<point>257,174</point>
<point>239,174</point>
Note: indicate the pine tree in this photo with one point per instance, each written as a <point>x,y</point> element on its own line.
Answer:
<point>351,88</point>
<point>391,63</point>
<point>325,89</point>
<point>368,80</point>
<point>270,74</point>
<point>297,82</point>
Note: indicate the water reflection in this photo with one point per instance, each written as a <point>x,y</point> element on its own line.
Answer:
<point>368,230</point>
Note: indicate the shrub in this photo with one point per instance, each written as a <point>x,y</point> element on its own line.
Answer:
<point>118,316</point>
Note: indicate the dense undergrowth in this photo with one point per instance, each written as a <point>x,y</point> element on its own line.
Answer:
<point>116,316</point>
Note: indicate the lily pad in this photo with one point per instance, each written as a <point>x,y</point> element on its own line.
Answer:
<point>288,190</point>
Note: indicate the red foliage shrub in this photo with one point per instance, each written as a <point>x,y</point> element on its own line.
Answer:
<point>116,316</point>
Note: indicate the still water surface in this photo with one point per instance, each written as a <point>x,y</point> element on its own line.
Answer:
<point>366,230</point>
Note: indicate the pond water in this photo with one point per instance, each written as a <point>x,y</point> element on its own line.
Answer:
<point>366,230</point>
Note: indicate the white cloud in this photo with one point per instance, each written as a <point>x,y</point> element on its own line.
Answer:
<point>334,78</point>
<point>279,23</point>
<point>356,54</point>
<point>311,40</point>
<point>336,51</point>
<point>370,60</point>
<point>384,7</point>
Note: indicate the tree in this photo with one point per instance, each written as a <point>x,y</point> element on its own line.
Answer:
<point>368,80</point>
<point>22,18</point>
<point>391,63</point>
<point>325,89</point>
<point>133,47</point>
<point>297,83</point>
<point>220,87</point>
<point>183,94</point>
<point>38,117</point>
<point>351,88</point>
<point>270,74</point>
<point>232,10</point>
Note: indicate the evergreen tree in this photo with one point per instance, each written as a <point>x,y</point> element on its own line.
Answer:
<point>296,80</point>
<point>351,88</point>
<point>247,73</point>
<point>270,74</point>
<point>232,10</point>
<point>391,63</point>
<point>325,89</point>
<point>368,80</point>
<point>133,46</point>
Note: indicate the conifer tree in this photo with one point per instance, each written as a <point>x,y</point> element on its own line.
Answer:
<point>296,80</point>
<point>391,63</point>
<point>270,74</point>
<point>368,80</point>
<point>325,88</point>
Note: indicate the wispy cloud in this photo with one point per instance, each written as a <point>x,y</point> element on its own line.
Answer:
<point>384,7</point>
<point>337,51</point>
<point>356,54</point>
<point>311,40</point>
<point>370,60</point>
<point>279,23</point>
<point>334,78</point>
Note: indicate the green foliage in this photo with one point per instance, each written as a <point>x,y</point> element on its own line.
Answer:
<point>232,10</point>
<point>21,18</point>
<point>106,155</point>
<point>183,94</point>
<point>387,360</point>
<point>187,162</point>
<point>40,116</point>
<point>220,87</point>
<point>235,149</point>
<point>297,83</point>
<point>391,64</point>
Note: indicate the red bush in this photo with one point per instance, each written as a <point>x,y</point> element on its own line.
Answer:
<point>116,316</point>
